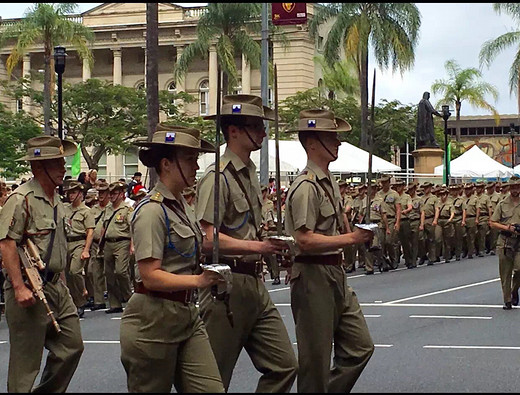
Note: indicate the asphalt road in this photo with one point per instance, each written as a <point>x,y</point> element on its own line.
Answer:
<point>437,328</point>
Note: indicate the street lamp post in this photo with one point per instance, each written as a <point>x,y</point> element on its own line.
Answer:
<point>59,67</point>
<point>446,115</point>
<point>512,133</point>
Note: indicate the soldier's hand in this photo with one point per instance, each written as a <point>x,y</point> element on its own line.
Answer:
<point>361,236</point>
<point>24,296</point>
<point>273,246</point>
<point>85,255</point>
<point>434,223</point>
<point>396,227</point>
<point>388,231</point>
<point>421,227</point>
<point>208,278</point>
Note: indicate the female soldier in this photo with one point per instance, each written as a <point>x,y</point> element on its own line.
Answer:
<point>444,213</point>
<point>163,339</point>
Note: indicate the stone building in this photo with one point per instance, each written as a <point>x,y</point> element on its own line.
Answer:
<point>120,57</point>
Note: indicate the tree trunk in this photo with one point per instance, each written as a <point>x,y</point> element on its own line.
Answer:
<point>152,75</point>
<point>458,105</point>
<point>363,87</point>
<point>47,90</point>
<point>225,84</point>
<point>93,160</point>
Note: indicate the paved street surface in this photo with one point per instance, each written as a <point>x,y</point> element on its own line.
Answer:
<point>436,328</point>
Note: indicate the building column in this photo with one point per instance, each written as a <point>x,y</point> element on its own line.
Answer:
<point>118,67</point>
<point>26,73</point>
<point>3,76</point>
<point>145,60</point>
<point>86,70</point>
<point>212,80</point>
<point>246,76</point>
<point>181,82</point>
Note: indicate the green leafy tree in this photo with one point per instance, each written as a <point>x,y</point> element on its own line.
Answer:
<point>391,29</point>
<point>230,26</point>
<point>340,77</point>
<point>491,48</point>
<point>49,24</point>
<point>464,84</point>
<point>15,130</point>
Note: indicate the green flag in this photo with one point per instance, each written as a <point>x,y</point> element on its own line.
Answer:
<point>447,164</point>
<point>76,163</point>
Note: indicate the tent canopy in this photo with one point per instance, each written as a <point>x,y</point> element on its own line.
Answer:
<point>293,158</point>
<point>477,164</point>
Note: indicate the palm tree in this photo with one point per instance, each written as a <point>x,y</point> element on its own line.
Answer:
<point>340,77</point>
<point>491,48</point>
<point>224,24</point>
<point>391,28</point>
<point>462,85</point>
<point>49,24</point>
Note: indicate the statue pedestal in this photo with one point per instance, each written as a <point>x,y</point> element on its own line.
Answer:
<point>426,159</point>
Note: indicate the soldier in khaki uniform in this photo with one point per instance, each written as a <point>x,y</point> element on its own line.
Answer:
<point>96,271</point>
<point>324,307</point>
<point>163,339</point>
<point>494,198</point>
<point>268,229</point>
<point>469,219</point>
<point>34,210</point>
<point>414,217</point>
<point>393,214</point>
<point>357,204</point>
<point>482,218</point>
<point>429,202</point>
<point>459,231</point>
<point>506,214</point>
<point>405,231</point>
<point>118,247</point>
<point>349,253</point>
<point>444,213</point>
<point>377,216</point>
<point>79,225</point>
<point>258,326</point>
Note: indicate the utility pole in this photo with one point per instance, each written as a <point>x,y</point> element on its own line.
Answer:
<point>152,75</point>
<point>264,82</point>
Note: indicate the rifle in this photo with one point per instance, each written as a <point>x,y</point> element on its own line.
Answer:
<point>31,265</point>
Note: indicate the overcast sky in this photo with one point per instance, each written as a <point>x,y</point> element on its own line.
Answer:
<point>448,31</point>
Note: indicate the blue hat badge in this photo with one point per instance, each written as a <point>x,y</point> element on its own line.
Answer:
<point>170,137</point>
<point>311,123</point>
<point>236,108</point>
<point>37,152</point>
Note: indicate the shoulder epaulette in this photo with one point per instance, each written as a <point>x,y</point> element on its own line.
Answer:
<point>157,197</point>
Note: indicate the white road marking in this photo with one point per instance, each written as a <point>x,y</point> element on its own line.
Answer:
<point>375,345</point>
<point>3,342</point>
<point>372,315</point>
<point>445,290</point>
<point>451,316</point>
<point>101,341</point>
<point>279,289</point>
<point>480,306</point>
<point>474,347</point>
<point>115,318</point>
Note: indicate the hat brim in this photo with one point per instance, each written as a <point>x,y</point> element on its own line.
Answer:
<point>73,188</point>
<point>343,126</point>
<point>269,115</point>
<point>69,149</point>
<point>205,146</point>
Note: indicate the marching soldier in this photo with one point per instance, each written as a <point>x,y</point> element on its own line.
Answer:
<point>482,218</point>
<point>117,248</point>
<point>80,231</point>
<point>346,203</point>
<point>324,307</point>
<point>415,221</point>
<point>494,198</point>
<point>459,231</point>
<point>96,271</point>
<point>504,190</point>
<point>469,219</point>
<point>163,340</point>
<point>357,204</point>
<point>429,202</point>
<point>393,214</point>
<point>444,213</point>
<point>269,229</point>
<point>374,253</point>
<point>505,216</point>
<point>405,232</point>
<point>258,326</point>
<point>34,211</point>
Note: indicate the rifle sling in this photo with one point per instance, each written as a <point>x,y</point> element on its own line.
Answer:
<point>47,257</point>
<point>235,175</point>
<point>102,241</point>
<point>338,218</point>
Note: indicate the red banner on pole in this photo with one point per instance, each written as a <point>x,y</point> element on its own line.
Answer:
<point>289,13</point>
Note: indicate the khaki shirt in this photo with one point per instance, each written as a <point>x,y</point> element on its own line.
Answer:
<point>391,199</point>
<point>377,209</point>
<point>39,224</point>
<point>506,213</point>
<point>415,214</point>
<point>234,212</point>
<point>483,202</point>
<point>494,199</point>
<point>174,237</point>
<point>97,213</point>
<point>445,208</point>
<point>428,205</point>
<point>470,205</point>
<point>268,213</point>
<point>308,206</point>
<point>119,226</point>
<point>405,200</point>
<point>458,207</point>
<point>357,205</point>
<point>78,220</point>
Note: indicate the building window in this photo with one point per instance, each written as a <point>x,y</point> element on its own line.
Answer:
<point>332,95</point>
<point>130,162</point>
<point>320,43</point>
<point>320,87</point>
<point>140,85</point>
<point>204,97</point>
<point>19,105</point>
<point>270,97</point>
<point>238,89</point>
<point>172,89</point>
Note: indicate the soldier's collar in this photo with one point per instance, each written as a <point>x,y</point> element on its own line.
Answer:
<point>38,191</point>
<point>320,174</point>
<point>230,156</point>
<point>161,189</point>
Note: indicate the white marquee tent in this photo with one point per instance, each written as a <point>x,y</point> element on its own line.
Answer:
<point>477,164</point>
<point>293,158</point>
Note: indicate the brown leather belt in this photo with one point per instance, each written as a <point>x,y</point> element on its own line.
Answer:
<point>185,296</point>
<point>76,238</point>
<point>242,267</point>
<point>116,239</point>
<point>331,260</point>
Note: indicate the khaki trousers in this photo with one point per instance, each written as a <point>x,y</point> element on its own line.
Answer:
<point>96,275</point>
<point>391,244</point>
<point>31,330</point>
<point>447,237</point>
<point>431,240</point>
<point>116,260</point>
<point>482,231</point>
<point>164,343</point>
<point>406,237</point>
<point>258,328</point>
<point>509,270</point>
<point>326,311</point>
<point>471,234</point>
<point>74,272</point>
<point>459,233</point>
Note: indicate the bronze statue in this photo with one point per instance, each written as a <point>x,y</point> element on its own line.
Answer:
<point>424,134</point>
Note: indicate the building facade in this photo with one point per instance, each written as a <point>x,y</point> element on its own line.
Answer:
<point>119,53</point>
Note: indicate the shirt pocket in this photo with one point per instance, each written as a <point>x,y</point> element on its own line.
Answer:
<point>183,238</point>
<point>42,230</point>
<point>241,212</point>
<point>327,215</point>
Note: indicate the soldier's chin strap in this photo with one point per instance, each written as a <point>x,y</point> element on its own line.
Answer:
<point>257,146</point>
<point>326,149</point>
<point>180,170</point>
<point>49,176</point>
